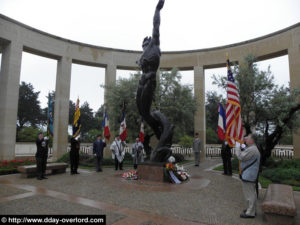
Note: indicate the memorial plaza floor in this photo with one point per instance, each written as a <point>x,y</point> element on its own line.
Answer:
<point>208,198</point>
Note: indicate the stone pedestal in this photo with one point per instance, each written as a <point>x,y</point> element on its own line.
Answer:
<point>151,171</point>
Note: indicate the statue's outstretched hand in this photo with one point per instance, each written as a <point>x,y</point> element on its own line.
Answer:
<point>160,4</point>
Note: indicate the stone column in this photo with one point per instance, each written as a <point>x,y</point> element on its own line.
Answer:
<point>294,64</point>
<point>199,119</point>
<point>61,108</point>
<point>9,96</point>
<point>110,78</point>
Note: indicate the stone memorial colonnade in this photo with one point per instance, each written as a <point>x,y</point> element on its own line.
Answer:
<point>16,37</point>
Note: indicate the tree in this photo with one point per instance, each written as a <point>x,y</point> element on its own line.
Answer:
<point>174,100</point>
<point>28,134</point>
<point>29,109</point>
<point>177,102</point>
<point>88,121</point>
<point>268,109</point>
<point>212,116</point>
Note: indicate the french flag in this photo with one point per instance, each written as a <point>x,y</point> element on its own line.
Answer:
<point>123,128</point>
<point>142,131</point>
<point>221,122</point>
<point>105,125</point>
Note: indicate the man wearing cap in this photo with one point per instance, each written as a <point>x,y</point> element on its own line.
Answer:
<point>98,147</point>
<point>197,149</point>
<point>249,164</point>
<point>41,156</point>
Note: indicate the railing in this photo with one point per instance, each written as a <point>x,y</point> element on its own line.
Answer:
<point>212,150</point>
<point>280,151</point>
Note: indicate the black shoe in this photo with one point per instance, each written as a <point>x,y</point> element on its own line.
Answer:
<point>77,172</point>
<point>196,165</point>
<point>44,177</point>
<point>245,216</point>
<point>39,178</point>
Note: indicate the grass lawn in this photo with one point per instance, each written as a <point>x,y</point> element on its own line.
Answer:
<point>262,180</point>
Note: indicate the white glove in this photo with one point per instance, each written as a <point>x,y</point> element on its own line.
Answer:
<point>243,146</point>
<point>46,138</point>
<point>77,137</point>
<point>237,144</point>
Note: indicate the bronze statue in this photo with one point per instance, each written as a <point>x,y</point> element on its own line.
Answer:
<point>149,63</point>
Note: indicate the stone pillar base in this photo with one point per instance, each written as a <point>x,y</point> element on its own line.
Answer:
<point>151,171</point>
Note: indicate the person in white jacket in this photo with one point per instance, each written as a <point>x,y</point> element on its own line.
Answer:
<point>118,152</point>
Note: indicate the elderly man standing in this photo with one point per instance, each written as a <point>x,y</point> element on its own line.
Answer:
<point>197,149</point>
<point>118,152</point>
<point>249,164</point>
<point>137,153</point>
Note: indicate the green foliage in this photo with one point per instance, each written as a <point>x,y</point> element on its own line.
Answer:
<point>280,175</point>
<point>29,109</point>
<point>88,121</point>
<point>27,134</point>
<point>91,135</point>
<point>212,136</point>
<point>174,100</point>
<point>64,158</point>
<point>186,141</point>
<point>264,181</point>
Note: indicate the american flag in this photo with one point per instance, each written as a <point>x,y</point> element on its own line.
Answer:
<point>234,125</point>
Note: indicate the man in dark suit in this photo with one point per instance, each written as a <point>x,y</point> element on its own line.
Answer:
<point>41,156</point>
<point>226,157</point>
<point>98,147</point>
<point>74,154</point>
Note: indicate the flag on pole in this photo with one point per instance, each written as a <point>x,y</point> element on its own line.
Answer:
<point>123,128</point>
<point>234,125</point>
<point>221,122</point>
<point>50,116</point>
<point>105,125</point>
<point>142,131</point>
<point>77,121</point>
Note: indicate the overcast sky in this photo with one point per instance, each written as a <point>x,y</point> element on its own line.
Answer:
<point>190,24</point>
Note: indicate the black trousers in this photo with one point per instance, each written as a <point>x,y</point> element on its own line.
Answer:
<point>98,163</point>
<point>41,163</point>
<point>227,165</point>
<point>118,164</point>
<point>74,160</point>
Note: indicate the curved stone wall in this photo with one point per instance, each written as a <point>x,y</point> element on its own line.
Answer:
<point>16,37</point>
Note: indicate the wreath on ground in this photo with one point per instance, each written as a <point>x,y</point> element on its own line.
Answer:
<point>175,174</point>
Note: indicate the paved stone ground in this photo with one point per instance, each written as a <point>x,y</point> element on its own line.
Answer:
<point>208,198</point>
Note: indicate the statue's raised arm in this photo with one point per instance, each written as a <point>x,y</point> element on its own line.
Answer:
<point>156,22</point>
